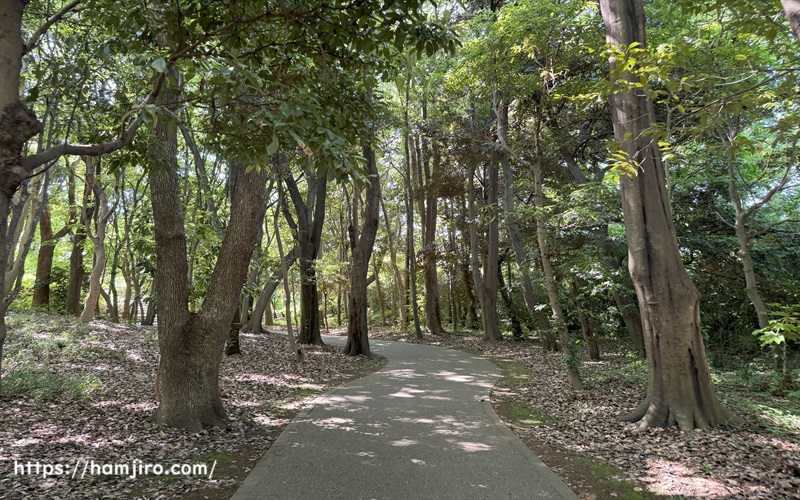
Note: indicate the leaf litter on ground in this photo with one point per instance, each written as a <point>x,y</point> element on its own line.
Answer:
<point>108,421</point>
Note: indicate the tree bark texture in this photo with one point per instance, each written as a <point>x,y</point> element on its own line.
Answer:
<point>98,239</point>
<point>17,124</point>
<point>191,344</point>
<point>361,251</point>
<point>679,391</point>
<point>411,258</point>
<point>428,209</point>
<point>792,10</point>
<point>484,274</point>
<point>310,216</point>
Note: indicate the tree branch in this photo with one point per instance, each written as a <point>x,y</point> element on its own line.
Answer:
<point>771,228</point>
<point>772,192</point>
<point>725,221</point>
<point>34,39</point>
<point>33,161</point>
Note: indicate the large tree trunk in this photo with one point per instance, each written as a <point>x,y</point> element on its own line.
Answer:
<point>679,390</point>
<point>191,345</point>
<point>17,124</point>
<point>361,250</point>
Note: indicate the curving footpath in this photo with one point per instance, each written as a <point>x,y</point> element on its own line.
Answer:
<point>421,428</point>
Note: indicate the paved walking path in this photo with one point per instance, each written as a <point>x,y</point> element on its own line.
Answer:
<point>421,428</point>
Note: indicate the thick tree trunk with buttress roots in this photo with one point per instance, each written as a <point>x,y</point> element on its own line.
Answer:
<point>679,390</point>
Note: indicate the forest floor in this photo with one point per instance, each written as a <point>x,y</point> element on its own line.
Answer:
<point>579,436</point>
<point>73,393</point>
<point>78,393</point>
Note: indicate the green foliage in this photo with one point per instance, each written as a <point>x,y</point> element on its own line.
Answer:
<point>784,328</point>
<point>42,385</point>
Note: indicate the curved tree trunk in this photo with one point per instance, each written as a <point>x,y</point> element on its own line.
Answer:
<point>262,307</point>
<point>679,389</point>
<point>98,238</point>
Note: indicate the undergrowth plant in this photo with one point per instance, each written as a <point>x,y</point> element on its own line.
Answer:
<point>784,328</point>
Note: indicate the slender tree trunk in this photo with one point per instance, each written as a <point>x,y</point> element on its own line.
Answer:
<point>628,308</point>
<point>377,270</point>
<point>36,203</point>
<point>98,238</point>
<point>398,278</point>
<point>586,322</point>
<point>293,347</point>
<point>262,309</point>
<point>570,356</point>
<point>76,271</point>
<point>486,290</point>
<point>680,391</point>
<point>744,253</point>
<point>361,249</point>
<point>310,216</point>
<point>44,261</point>
<point>411,258</point>
<point>428,204</point>
<point>516,325</point>
<point>515,235</point>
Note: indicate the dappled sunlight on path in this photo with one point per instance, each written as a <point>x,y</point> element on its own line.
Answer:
<point>420,428</point>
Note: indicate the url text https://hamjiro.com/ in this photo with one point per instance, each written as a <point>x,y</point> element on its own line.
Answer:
<point>133,469</point>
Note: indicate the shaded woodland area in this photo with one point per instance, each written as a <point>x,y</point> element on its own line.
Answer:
<point>601,182</point>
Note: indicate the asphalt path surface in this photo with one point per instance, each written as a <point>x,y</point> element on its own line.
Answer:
<point>421,428</point>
